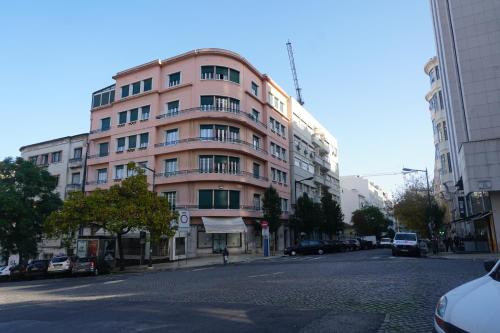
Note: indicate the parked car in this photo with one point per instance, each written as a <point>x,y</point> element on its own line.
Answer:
<point>61,265</point>
<point>37,268</point>
<point>5,271</point>
<point>352,244</point>
<point>331,246</point>
<point>306,247</point>
<point>405,243</point>
<point>364,244</point>
<point>473,306</point>
<point>89,265</point>
<point>385,243</point>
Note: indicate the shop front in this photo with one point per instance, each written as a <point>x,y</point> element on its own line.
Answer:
<point>218,233</point>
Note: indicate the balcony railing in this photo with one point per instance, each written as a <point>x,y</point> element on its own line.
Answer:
<point>73,187</point>
<point>97,182</point>
<point>210,108</point>
<point>211,139</point>
<point>91,157</point>
<point>201,171</point>
<point>75,162</point>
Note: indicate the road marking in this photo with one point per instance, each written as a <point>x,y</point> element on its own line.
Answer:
<point>201,269</point>
<point>113,281</point>
<point>316,258</point>
<point>375,257</point>
<point>269,274</point>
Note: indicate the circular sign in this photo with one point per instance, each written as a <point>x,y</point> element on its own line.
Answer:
<point>264,224</point>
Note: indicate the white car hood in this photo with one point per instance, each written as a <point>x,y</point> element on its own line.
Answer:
<point>405,242</point>
<point>475,306</point>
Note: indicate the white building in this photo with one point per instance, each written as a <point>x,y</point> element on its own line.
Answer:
<point>65,159</point>
<point>467,36</point>
<point>313,156</point>
<point>358,192</point>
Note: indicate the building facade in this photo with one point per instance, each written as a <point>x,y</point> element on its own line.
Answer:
<point>358,192</point>
<point>467,34</point>
<point>65,159</point>
<point>214,130</point>
<point>313,156</point>
<point>444,182</point>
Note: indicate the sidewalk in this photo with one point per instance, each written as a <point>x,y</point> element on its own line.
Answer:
<point>465,256</point>
<point>211,260</point>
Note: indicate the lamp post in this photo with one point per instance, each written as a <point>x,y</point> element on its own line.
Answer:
<point>150,263</point>
<point>408,170</point>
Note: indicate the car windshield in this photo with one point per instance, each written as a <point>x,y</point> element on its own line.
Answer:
<point>385,240</point>
<point>59,259</point>
<point>87,259</point>
<point>409,237</point>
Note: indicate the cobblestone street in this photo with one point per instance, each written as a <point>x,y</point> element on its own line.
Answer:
<point>367,291</point>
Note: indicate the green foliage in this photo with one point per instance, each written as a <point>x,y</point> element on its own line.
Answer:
<point>333,217</point>
<point>27,197</point>
<point>303,220</point>
<point>119,209</point>
<point>271,205</point>
<point>412,210</point>
<point>369,221</point>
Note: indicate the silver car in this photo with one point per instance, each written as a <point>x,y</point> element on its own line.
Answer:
<point>61,265</point>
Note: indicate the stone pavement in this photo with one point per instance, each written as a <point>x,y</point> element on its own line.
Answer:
<point>465,256</point>
<point>210,260</point>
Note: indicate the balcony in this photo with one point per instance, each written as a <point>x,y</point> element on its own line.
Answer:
<point>73,187</point>
<point>75,162</point>
<point>317,140</point>
<point>211,143</point>
<point>195,175</point>
<point>212,111</point>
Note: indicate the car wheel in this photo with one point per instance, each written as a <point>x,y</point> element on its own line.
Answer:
<point>293,253</point>
<point>320,251</point>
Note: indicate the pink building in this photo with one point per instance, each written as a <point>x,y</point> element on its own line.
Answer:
<point>214,129</point>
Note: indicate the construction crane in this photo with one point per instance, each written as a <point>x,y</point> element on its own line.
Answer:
<point>294,73</point>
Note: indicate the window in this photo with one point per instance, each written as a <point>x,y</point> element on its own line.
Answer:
<point>279,176</point>
<point>284,205</point>
<point>219,164</point>
<point>205,199</point>
<point>105,124</point>
<point>96,101</point>
<point>45,159</point>
<point>171,137</point>
<point>256,142</point>
<point>148,84</point>
<point>33,159</point>
<point>234,76</point>
<point>132,142</point>
<point>58,178</point>
<point>174,79</point>
<point>219,133</point>
<point>276,101</point>
<point>103,97</point>
<point>207,72</point>
<point>282,107</point>
<point>143,140</point>
<point>206,132</point>
<point>220,199</point>
<point>283,131</point>
<point>234,134</point>
<point>103,149</point>
<point>221,73</point>
<point>120,145</point>
<point>136,88</point>
<point>122,117</point>
<point>171,198</point>
<point>206,102</point>
<point>443,163</point>
<point>445,131</point>
<point>131,172</point>
<point>77,153</point>
<point>256,170</point>
<point>119,171</point>
<point>170,167</point>
<point>270,98</point>
<point>204,240</point>
<point>255,89</point>
<point>206,163</point>
<point>102,176</point>
<point>145,112</point>
<point>234,199</point>
<point>441,104</point>
<point>256,201</point>
<point>56,156</point>
<point>255,115</point>
<point>125,91</point>
<point>173,108</point>
<point>75,178</point>
<point>449,162</point>
<point>134,114</point>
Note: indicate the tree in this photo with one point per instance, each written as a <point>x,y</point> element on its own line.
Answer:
<point>302,221</point>
<point>271,206</point>
<point>333,217</point>
<point>27,197</point>
<point>369,221</point>
<point>413,211</point>
<point>119,209</point>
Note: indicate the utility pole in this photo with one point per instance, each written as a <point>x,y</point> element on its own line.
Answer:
<point>294,73</point>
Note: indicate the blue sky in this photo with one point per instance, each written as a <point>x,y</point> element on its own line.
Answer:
<point>360,65</point>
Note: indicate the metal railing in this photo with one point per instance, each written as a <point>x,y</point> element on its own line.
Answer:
<point>211,139</point>
<point>210,171</point>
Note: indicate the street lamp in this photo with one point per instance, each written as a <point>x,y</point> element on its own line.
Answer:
<point>408,170</point>
<point>150,263</point>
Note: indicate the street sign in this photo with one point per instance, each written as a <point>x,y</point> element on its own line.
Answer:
<point>184,220</point>
<point>264,224</point>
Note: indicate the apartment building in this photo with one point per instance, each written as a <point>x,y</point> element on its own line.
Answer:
<point>211,132</point>
<point>467,34</point>
<point>358,192</point>
<point>65,159</point>
<point>313,156</point>
<point>443,183</point>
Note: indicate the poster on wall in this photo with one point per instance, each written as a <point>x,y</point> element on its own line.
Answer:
<point>81,248</point>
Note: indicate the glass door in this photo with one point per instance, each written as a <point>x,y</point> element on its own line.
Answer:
<point>219,242</point>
